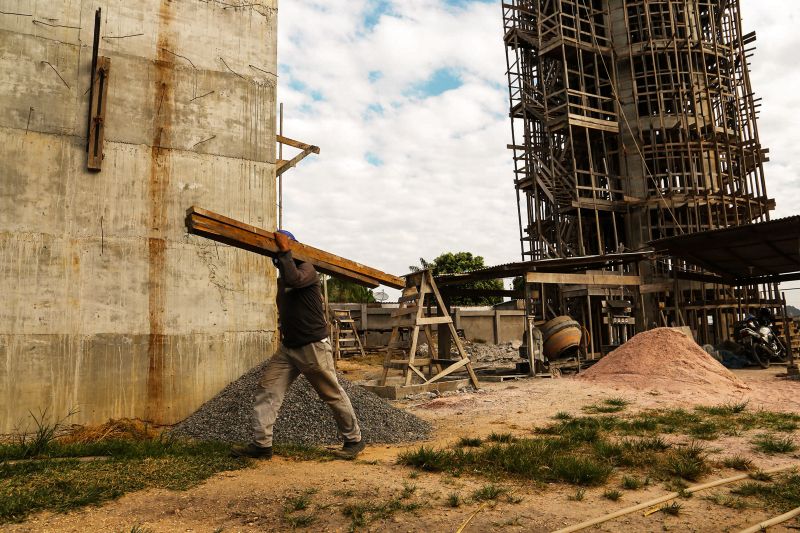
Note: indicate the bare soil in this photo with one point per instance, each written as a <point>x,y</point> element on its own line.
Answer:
<point>256,499</point>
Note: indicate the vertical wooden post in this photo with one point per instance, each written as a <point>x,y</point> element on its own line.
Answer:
<point>445,341</point>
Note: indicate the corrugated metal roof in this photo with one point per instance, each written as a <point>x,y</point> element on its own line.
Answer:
<point>752,253</point>
<point>568,264</point>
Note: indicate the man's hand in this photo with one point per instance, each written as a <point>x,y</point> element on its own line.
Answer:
<point>282,241</point>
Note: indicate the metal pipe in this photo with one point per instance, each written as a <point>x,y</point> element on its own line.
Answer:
<point>280,177</point>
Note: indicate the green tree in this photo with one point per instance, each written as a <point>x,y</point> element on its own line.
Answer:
<point>341,291</point>
<point>455,263</point>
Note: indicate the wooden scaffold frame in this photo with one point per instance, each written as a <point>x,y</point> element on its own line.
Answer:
<point>411,316</point>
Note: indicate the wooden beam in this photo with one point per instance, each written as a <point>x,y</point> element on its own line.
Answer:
<point>581,279</point>
<point>297,144</point>
<point>455,291</point>
<point>247,237</point>
<point>283,166</point>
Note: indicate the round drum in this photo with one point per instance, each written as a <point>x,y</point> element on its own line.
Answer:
<point>560,335</point>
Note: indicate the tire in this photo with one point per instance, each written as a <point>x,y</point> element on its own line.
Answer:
<point>762,358</point>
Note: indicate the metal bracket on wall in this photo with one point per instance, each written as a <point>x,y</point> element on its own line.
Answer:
<point>97,113</point>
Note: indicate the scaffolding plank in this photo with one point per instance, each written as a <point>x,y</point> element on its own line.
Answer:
<point>582,279</point>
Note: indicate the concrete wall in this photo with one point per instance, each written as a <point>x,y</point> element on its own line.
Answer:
<point>107,304</point>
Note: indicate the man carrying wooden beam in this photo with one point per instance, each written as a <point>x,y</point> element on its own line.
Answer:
<point>305,349</point>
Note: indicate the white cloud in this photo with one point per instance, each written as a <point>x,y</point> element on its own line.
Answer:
<point>446,180</point>
<point>775,78</point>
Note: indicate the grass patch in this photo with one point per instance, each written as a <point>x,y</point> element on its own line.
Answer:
<point>454,500</point>
<point>688,462</point>
<point>737,462</point>
<point>294,505</point>
<point>488,492</point>
<point>300,520</point>
<point>501,437</point>
<point>771,444</point>
<point>542,459</point>
<point>59,485</point>
<point>725,409</point>
<point>612,495</point>
<point>587,450</point>
<point>609,405</point>
<point>364,513</point>
<point>470,442</point>
<point>138,528</point>
<point>580,470</point>
<point>578,496</point>
<point>726,500</point>
<point>707,422</point>
<point>672,509</point>
<point>298,503</point>
<point>782,494</point>
<point>408,491</point>
<point>760,475</point>
<point>631,483</point>
<point>706,430</point>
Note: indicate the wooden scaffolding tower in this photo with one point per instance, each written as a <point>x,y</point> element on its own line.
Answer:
<point>410,317</point>
<point>632,121</point>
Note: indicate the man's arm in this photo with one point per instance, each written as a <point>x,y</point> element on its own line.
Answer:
<point>294,276</point>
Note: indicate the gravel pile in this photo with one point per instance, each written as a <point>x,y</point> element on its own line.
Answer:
<point>303,418</point>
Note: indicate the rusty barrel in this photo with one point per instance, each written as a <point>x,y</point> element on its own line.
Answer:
<point>560,335</point>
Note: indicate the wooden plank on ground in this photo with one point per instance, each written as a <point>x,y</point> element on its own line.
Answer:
<point>245,236</point>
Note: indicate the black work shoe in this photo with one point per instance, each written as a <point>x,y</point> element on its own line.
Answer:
<point>350,450</point>
<point>253,451</point>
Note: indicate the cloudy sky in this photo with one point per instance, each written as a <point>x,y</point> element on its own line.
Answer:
<point>408,101</point>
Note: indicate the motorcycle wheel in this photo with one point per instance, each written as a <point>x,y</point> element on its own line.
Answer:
<point>761,358</point>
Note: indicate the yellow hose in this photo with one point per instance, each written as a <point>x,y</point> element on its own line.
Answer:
<point>662,499</point>
<point>772,521</point>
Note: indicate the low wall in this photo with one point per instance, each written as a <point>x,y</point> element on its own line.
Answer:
<point>485,324</point>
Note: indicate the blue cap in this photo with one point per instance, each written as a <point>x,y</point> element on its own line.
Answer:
<point>287,233</point>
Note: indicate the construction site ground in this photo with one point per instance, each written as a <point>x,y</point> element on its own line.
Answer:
<point>256,498</point>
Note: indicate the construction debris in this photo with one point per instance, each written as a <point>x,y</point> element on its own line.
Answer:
<point>664,360</point>
<point>303,418</point>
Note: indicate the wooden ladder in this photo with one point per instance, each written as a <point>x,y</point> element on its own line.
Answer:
<point>410,316</point>
<point>346,340</point>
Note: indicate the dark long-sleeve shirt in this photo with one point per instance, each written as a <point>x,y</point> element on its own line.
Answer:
<point>300,303</point>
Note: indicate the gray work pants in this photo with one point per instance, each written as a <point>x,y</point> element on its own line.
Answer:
<point>315,362</point>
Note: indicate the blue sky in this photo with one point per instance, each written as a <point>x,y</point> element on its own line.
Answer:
<point>408,102</point>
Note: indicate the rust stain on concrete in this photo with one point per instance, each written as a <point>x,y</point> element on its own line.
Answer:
<point>158,187</point>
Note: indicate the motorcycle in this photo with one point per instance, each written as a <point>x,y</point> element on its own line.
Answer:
<point>758,341</point>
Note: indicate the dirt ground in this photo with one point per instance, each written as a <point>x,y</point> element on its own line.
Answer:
<point>255,499</point>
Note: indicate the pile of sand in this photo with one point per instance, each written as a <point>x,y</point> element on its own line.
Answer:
<point>664,360</point>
